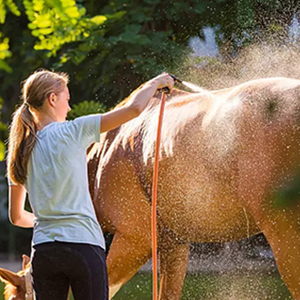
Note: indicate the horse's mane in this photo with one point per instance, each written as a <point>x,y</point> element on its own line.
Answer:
<point>175,92</point>
<point>97,151</point>
<point>96,148</point>
<point>181,109</point>
<point>143,126</point>
<point>108,137</point>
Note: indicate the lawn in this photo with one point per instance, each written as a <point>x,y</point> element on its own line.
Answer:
<point>210,287</point>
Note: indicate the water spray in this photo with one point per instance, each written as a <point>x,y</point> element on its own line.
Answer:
<point>191,86</point>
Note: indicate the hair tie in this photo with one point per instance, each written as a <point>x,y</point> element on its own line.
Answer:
<point>25,103</point>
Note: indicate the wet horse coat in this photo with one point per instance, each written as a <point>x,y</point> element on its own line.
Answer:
<point>224,155</point>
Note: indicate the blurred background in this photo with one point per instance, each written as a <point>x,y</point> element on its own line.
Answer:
<point>110,47</point>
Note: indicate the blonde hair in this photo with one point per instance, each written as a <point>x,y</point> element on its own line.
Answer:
<point>22,136</point>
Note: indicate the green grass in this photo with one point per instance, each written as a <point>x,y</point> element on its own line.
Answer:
<point>213,287</point>
<point>209,287</point>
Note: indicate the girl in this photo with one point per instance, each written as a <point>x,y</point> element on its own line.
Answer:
<point>47,159</point>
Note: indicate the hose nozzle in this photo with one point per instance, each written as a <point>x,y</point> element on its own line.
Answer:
<point>165,89</point>
<point>175,78</point>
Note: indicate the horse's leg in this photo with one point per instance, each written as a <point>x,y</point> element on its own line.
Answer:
<point>123,208</point>
<point>126,255</point>
<point>173,260</point>
<point>280,225</point>
<point>281,229</point>
<point>283,234</point>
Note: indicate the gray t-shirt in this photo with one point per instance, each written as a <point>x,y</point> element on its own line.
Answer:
<point>57,183</point>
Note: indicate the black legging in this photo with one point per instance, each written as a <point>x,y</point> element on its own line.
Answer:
<point>58,265</point>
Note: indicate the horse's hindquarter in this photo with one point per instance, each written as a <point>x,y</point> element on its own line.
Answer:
<point>198,197</point>
<point>200,207</point>
<point>227,162</point>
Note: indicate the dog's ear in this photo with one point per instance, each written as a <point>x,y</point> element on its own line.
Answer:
<point>25,262</point>
<point>11,277</point>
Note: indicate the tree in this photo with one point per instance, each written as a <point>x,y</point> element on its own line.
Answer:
<point>110,47</point>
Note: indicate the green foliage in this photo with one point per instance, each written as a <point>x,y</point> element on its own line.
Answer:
<point>3,134</point>
<point>110,47</point>
<point>2,150</point>
<point>85,108</point>
<point>56,23</point>
<point>245,14</point>
<point>289,195</point>
<point>8,4</point>
<point>4,53</point>
<point>4,41</point>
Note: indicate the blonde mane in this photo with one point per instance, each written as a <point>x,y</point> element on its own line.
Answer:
<point>175,120</point>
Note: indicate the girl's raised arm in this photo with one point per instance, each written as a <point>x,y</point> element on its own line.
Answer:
<point>136,104</point>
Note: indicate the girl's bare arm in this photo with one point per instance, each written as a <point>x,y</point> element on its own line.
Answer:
<point>17,214</point>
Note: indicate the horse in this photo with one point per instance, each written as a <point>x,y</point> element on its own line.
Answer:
<point>225,155</point>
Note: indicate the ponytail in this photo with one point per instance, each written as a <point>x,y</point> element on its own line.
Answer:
<point>22,139</point>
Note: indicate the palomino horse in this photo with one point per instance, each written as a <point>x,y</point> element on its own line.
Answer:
<point>224,157</point>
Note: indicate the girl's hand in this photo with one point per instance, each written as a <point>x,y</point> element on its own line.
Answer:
<point>163,80</point>
<point>136,103</point>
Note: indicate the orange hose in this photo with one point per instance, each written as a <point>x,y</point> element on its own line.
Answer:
<point>154,198</point>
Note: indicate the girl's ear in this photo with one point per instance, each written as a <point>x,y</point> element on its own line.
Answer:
<point>52,99</point>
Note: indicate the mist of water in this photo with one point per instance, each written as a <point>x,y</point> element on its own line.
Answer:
<point>273,59</point>
<point>193,87</point>
<point>253,62</point>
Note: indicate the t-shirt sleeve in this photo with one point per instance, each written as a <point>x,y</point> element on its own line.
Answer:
<point>86,129</point>
<point>10,183</point>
